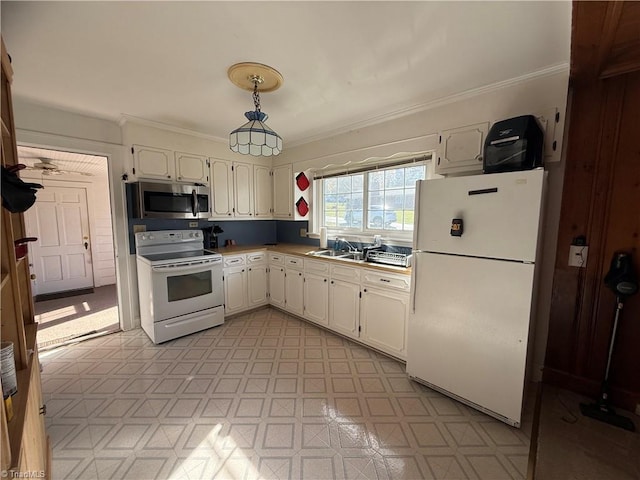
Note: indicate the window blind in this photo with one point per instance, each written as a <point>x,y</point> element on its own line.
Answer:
<point>370,168</point>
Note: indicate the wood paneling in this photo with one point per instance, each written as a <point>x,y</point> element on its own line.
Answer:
<point>601,200</point>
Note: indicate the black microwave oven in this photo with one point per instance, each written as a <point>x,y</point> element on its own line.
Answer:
<point>169,200</point>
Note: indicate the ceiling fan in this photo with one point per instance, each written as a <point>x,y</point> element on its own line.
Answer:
<point>47,167</point>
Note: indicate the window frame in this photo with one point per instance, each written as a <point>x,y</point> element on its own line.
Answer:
<point>401,236</point>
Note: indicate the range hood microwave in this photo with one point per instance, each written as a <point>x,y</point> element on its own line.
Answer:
<point>169,200</point>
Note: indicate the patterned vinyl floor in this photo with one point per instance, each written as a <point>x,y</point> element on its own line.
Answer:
<point>264,396</point>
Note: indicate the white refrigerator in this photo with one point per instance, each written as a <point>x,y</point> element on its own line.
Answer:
<point>472,291</point>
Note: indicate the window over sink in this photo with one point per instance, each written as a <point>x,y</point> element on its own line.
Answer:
<point>372,199</point>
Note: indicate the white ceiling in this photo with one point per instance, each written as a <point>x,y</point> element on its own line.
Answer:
<point>345,64</point>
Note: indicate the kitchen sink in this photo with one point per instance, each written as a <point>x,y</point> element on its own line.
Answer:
<point>341,255</point>
<point>327,253</point>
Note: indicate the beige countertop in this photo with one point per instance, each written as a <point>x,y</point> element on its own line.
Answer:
<point>303,251</point>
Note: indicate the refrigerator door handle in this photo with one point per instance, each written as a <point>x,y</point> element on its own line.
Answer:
<point>416,216</point>
<point>414,268</point>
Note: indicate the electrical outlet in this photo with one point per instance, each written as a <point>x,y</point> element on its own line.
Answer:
<point>193,224</point>
<point>139,228</point>
<point>303,232</point>
<point>578,255</point>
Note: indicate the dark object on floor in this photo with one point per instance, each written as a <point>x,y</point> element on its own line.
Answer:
<point>623,281</point>
<point>69,293</point>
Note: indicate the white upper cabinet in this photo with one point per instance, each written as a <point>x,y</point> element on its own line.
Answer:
<point>283,192</point>
<point>221,188</point>
<point>161,164</point>
<point>243,189</point>
<point>192,168</point>
<point>262,191</point>
<point>154,163</point>
<point>237,190</point>
<point>461,149</point>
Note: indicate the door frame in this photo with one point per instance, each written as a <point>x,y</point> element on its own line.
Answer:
<point>126,278</point>
<point>92,228</point>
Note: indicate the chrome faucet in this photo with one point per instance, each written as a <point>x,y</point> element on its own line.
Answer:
<point>344,240</point>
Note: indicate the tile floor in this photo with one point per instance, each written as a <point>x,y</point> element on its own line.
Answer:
<point>263,396</point>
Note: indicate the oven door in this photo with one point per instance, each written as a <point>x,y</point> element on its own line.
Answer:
<point>185,287</point>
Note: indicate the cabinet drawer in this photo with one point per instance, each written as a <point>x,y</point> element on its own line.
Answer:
<point>294,262</point>
<point>256,258</point>
<point>234,260</point>
<point>276,259</point>
<point>316,266</point>
<point>349,274</point>
<point>384,280</point>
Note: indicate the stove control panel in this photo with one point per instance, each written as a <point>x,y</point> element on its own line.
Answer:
<point>164,237</point>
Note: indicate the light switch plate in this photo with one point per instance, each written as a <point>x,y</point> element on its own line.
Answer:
<point>193,224</point>
<point>303,232</point>
<point>578,255</point>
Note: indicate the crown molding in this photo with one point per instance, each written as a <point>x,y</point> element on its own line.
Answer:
<point>126,118</point>
<point>421,107</point>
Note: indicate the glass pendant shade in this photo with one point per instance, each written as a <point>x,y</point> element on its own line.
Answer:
<point>255,138</point>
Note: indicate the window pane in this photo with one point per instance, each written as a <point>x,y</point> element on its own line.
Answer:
<point>344,184</point>
<point>394,178</point>
<point>358,183</point>
<point>412,174</point>
<point>376,181</point>
<point>390,199</point>
<point>330,185</point>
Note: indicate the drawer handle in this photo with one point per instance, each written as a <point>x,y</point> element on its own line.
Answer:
<point>43,410</point>
<point>385,280</point>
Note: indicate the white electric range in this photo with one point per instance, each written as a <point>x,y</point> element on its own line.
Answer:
<point>179,284</point>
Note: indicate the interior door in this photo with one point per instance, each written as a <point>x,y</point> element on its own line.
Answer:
<point>61,257</point>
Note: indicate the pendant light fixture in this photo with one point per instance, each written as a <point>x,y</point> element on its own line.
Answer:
<point>254,137</point>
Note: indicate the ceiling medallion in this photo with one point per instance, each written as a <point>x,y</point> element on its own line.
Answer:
<point>254,137</point>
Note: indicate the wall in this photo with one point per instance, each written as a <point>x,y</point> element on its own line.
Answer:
<point>601,200</point>
<point>40,126</point>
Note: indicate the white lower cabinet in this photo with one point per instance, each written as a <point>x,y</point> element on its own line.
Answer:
<point>383,320</point>
<point>276,279</point>
<point>294,285</point>
<point>316,298</point>
<point>344,308</point>
<point>235,289</point>
<point>276,286</point>
<point>257,279</point>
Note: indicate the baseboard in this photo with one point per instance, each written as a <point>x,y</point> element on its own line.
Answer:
<point>69,293</point>
<point>590,388</point>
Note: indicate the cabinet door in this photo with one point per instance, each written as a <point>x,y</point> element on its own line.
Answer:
<point>150,162</point>
<point>294,291</point>
<point>276,286</point>
<point>221,188</point>
<point>262,188</point>
<point>34,452</point>
<point>316,298</point>
<point>235,290</point>
<point>257,285</point>
<point>192,168</point>
<point>344,308</point>
<point>283,192</point>
<point>243,188</point>
<point>383,319</point>
<point>460,149</point>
